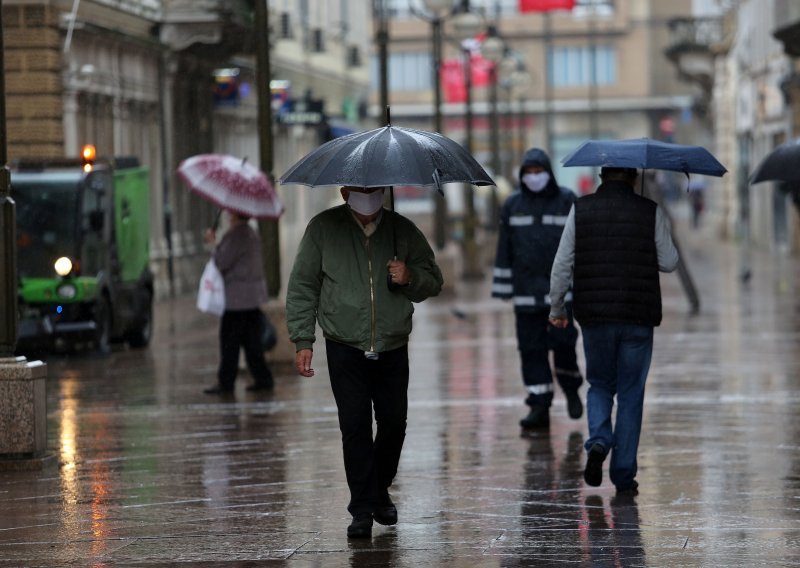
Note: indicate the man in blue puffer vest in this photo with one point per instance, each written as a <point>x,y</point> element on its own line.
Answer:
<point>531,223</point>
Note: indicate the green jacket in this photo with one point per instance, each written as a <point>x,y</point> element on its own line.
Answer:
<point>339,279</point>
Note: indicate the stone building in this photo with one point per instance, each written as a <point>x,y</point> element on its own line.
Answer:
<point>747,69</point>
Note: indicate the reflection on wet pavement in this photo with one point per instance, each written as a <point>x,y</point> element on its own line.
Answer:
<point>150,471</point>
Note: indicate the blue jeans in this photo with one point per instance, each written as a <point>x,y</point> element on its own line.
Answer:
<point>617,361</point>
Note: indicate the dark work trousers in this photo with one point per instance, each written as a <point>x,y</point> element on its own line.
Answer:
<point>359,384</point>
<point>241,329</point>
<point>535,338</point>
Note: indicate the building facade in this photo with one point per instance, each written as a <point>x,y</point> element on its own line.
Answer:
<point>753,93</point>
<point>597,71</point>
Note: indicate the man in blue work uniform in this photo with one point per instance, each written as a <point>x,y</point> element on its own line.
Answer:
<point>531,222</point>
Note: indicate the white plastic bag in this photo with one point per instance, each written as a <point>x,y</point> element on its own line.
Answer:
<point>211,294</point>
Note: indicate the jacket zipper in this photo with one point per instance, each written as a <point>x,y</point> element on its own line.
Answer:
<point>371,297</point>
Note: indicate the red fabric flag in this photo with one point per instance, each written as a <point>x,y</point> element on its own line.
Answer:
<point>452,76</point>
<point>545,5</point>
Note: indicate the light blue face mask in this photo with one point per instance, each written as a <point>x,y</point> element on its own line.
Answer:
<point>365,203</point>
<point>536,182</point>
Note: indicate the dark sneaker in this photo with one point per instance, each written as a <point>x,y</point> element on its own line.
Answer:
<point>361,527</point>
<point>574,404</point>
<point>385,513</point>
<point>538,417</point>
<point>593,474</point>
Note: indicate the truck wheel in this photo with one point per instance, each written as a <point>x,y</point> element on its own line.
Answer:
<point>140,337</point>
<point>102,334</point>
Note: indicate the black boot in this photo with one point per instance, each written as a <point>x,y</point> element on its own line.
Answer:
<point>574,404</point>
<point>538,417</point>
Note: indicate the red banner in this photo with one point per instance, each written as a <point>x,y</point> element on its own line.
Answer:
<point>545,5</point>
<point>452,76</point>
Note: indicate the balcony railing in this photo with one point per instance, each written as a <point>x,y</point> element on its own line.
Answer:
<point>693,44</point>
<point>694,33</point>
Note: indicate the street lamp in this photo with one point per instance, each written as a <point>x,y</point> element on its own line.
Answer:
<point>515,78</point>
<point>435,14</point>
<point>466,25</point>
<point>493,49</point>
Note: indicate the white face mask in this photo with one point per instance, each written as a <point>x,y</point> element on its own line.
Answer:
<point>536,182</point>
<point>365,203</point>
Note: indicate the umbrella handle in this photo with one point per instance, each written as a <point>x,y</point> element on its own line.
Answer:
<point>389,284</point>
<point>215,224</point>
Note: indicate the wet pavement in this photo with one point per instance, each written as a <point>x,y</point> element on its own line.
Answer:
<point>149,471</point>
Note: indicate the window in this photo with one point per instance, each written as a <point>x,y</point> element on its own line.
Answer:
<point>407,72</point>
<point>593,7</point>
<point>572,66</point>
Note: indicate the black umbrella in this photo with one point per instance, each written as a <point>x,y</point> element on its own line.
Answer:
<point>782,164</point>
<point>385,157</point>
<point>644,153</point>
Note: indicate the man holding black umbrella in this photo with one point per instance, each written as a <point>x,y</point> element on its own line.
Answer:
<point>613,246</point>
<point>358,270</point>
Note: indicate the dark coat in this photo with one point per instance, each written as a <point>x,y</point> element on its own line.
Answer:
<point>531,224</point>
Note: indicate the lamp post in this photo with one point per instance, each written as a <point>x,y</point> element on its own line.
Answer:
<point>466,25</point>
<point>8,267</point>
<point>435,11</point>
<point>269,230</point>
<point>493,49</point>
<point>382,39</point>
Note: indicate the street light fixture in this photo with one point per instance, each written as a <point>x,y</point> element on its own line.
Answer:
<point>466,25</point>
<point>515,77</point>
<point>493,49</point>
<point>435,15</point>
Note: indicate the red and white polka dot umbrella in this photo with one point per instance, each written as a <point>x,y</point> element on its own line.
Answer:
<point>233,184</point>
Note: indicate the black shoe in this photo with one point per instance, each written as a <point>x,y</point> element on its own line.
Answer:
<point>218,390</point>
<point>574,404</point>
<point>538,417</point>
<point>361,527</point>
<point>630,491</point>
<point>261,387</point>
<point>593,474</point>
<point>385,513</point>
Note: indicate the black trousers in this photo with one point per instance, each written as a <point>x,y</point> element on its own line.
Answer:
<point>241,329</point>
<point>359,385</point>
<point>535,338</point>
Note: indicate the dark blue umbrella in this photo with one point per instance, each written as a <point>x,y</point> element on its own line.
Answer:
<point>644,153</point>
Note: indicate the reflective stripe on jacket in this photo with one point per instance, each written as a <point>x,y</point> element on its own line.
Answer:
<point>530,229</point>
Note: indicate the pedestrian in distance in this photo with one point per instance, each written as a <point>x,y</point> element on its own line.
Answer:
<point>531,222</point>
<point>238,258</point>
<point>697,199</point>
<point>613,246</point>
<point>358,270</point>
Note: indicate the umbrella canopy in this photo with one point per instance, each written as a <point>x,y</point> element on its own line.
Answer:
<point>644,153</point>
<point>388,156</point>
<point>231,183</point>
<point>782,164</point>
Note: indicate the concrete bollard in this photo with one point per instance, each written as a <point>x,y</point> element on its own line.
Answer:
<point>23,413</point>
